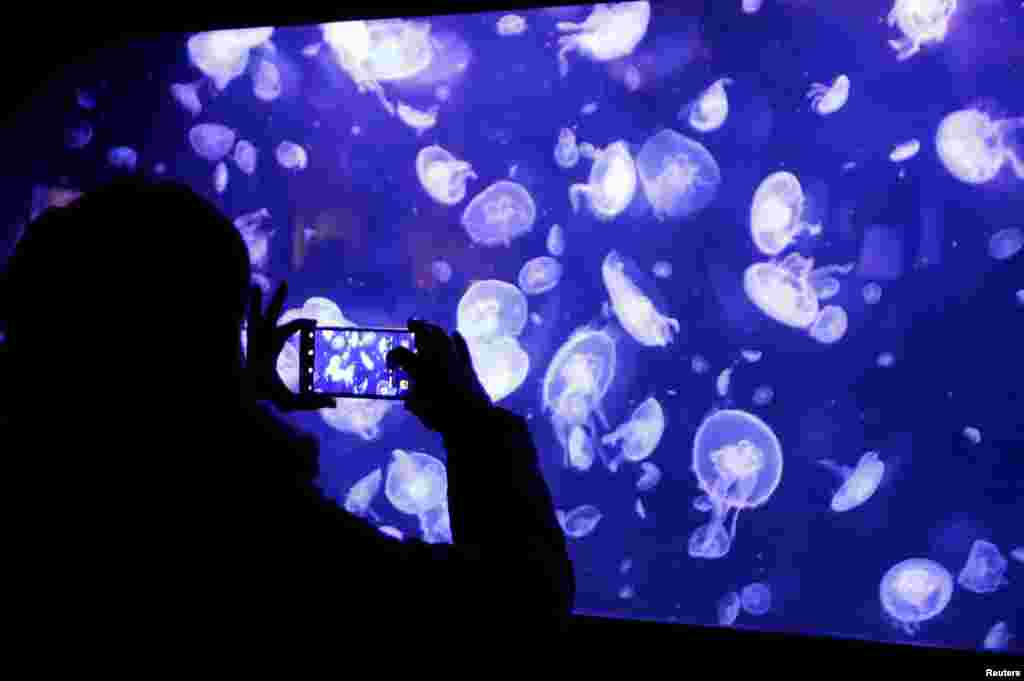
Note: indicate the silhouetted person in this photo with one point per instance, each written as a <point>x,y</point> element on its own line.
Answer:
<point>158,488</point>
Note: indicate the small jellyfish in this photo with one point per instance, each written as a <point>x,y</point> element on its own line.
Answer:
<point>827,99</point>
<point>632,78</point>
<point>266,81</point>
<point>611,185</point>
<point>416,482</point>
<point>441,271</point>
<point>649,478</point>
<point>220,177</point>
<point>723,382</point>
<point>581,449</point>
<point>159,168</point>
<point>123,158</point>
<point>782,291</point>
<point>540,275</point>
<point>256,236</point>
<point>497,215</point>
<point>187,96</point>
<point>974,148</point>
<point>1018,554</point>
<point>442,175</point>
<point>417,119</point>
<point>728,608</point>
<point>627,592</point>
<point>639,435</point>
<point>679,175</point>
<point>872,293</point>
<point>556,241</point>
<point>921,22</point>
<point>1006,243</point>
<point>78,136</point>
<point>625,566</point>
<point>699,365</point>
<point>858,484</point>
<point>245,156</point>
<point>581,521</point>
<point>972,435</point>
<point>224,55</point>
<point>830,325</point>
<point>905,151</point>
<point>612,31</point>
<point>491,308</point>
<point>662,269</point>
<point>633,307</point>
<point>776,213</point>
<point>752,356</point>
<point>710,110</point>
<point>588,108</point>
<point>1020,296</point>
<point>751,6</point>
<point>641,511</point>
<point>500,363</point>
<point>291,156</point>
<point>914,591</point>
<point>824,287</point>
<point>392,532</point>
<point>998,637</point>
<point>511,24</point>
<point>536,319</point>
<point>702,503</point>
<point>763,395</point>
<point>211,141</point>
<point>886,360</point>
<point>567,154</point>
<point>85,100</point>
<point>984,571</point>
<point>756,598</point>
<point>362,494</point>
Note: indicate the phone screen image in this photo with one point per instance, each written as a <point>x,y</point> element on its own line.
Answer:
<point>353,362</point>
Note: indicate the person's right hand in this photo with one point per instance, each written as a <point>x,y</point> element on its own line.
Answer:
<point>445,389</point>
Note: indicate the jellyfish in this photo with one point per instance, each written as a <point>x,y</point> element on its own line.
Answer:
<point>824,287</point>
<point>436,525</point>
<point>641,510</point>
<point>245,156</point>
<point>291,156</point>
<point>723,382</point>
<point>650,477</point>
<point>491,308</point>
<point>556,241</point>
<point>567,155</point>
<point>680,177</point>
<point>612,31</point>
<point>915,590</point>
<point>972,435</point>
<point>752,356</point>
<point>1006,243</point>
<point>580,449</point>
<point>763,395</point>
<point>224,55</point>
<point>984,571</point>
<point>625,566</point>
<point>872,293</point>
<point>710,110</point>
<point>580,521</point>
<point>639,435</point>
<point>443,176</point>
<point>662,269</point>
<point>187,96</point>
<point>211,141</point>
<point>220,177</point>
<point>921,22</point>
<point>588,108</point>
<point>288,367</point>
<point>362,494</point>
<point>123,158</point>
<point>256,236</point>
<point>500,363</point>
<point>738,463</point>
<point>511,24</point>
<point>782,291</point>
<point>756,598</point>
<point>830,325</point>
<point>540,275</point>
<point>728,607</point>
<point>611,185</point>
<point>78,135</point>
<point>497,215</point>
<point>699,365</point>
<point>392,532</point>
<point>885,360</point>
<point>266,81</point>
<point>1018,554</point>
<point>905,151</point>
<point>417,119</point>
<point>827,99</point>
<point>416,482</point>
<point>998,637</point>
<point>776,213</point>
<point>858,484</point>
<point>751,6</point>
<point>974,148</point>
<point>633,306</point>
<point>441,271</point>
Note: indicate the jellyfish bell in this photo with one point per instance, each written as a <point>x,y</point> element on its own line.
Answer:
<point>905,151</point>
<point>974,148</point>
<point>914,591</point>
<point>711,108</point>
<point>581,521</point>
<point>1006,243</point>
<point>291,156</point>
<point>567,154</point>
<point>416,482</point>
<point>679,175</point>
<point>211,141</point>
<point>442,175</point>
<point>728,607</point>
<point>649,478</point>
<point>491,308</point>
<point>782,291</point>
<point>630,291</point>
<point>984,571</point>
<point>245,156</point>
<point>511,24</point>
<point>858,484</point>
<point>359,417</point>
<point>830,325</point>
<point>777,213</point>
<point>362,494</point>
<point>756,598</point>
<point>611,185</point>
<point>709,541</point>
<point>828,99</point>
<point>501,363</point>
<point>224,55</point>
<point>539,275</point>
<point>921,22</point>
<point>640,435</point>
<point>612,31</point>
<point>556,241</point>
<point>417,119</point>
<point>187,96</point>
<point>497,215</point>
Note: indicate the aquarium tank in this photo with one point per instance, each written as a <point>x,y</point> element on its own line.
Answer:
<point>752,272</point>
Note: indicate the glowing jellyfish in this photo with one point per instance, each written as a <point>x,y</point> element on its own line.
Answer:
<point>78,135</point>
<point>680,177</point>
<point>699,365</point>
<point>291,156</point>
<point>627,592</point>
<point>581,521</point>
<point>360,417</point>
<point>580,449</point>
<point>491,308</point>
<point>220,177</point>
<point>1006,243</point>
<point>650,477</point>
<point>738,463</point>
<point>830,325</point>
<point>625,566</point>
<point>972,435</point>
<point>612,31</point>
<point>763,395</point>
<point>858,484</point>
<point>442,175</point>
<point>224,55</point>
<point>914,591</point>
<point>500,363</point>
<point>782,291</point>
<point>723,382</point>
<point>641,511</point>
<point>974,148</point>
<point>588,108</point>
<point>416,482</point>
<point>211,141</point>
<point>827,99</point>
<point>511,24</point>
<point>556,241</point>
<point>266,81</point>
<point>123,158</point>
<point>187,96</point>
<point>540,275</point>
<point>824,287</point>
<point>905,151</point>
<point>417,119</point>
<point>984,571</point>
<point>245,156</point>
<point>728,608</point>
<point>441,271</point>
<point>1018,554</point>
<point>436,525</point>
<point>362,494</point>
<point>776,213</point>
<point>632,306</point>
<point>921,22</point>
<point>497,215</point>
<point>872,293</point>
<point>751,6</point>
<point>611,185</point>
<point>662,269</point>
<point>256,236</point>
<point>567,155</point>
<point>998,637</point>
<point>756,598</point>
<point>392,532</point>
<point>752,356</point>
<point>710,110</point>
<point>640,435</point>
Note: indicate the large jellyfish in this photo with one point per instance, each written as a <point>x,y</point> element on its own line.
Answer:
<point>827,99</point>
<point>985,568</point>
<point>738,463</point>
<point>921,22</point>
<point>266,81</point>
<point>501,363</point>
<point>830,325</point>
<point>974,148</point>
<point>632,306</point>
<point>679,175</point>
<point>580,521</point>
<point>540,275</point>
<point>782,291</point>
<point>499,214</point>
<point>610,32</point>
<point>914,591</point>
<point>361,495</point>
<point>416,482</point>
<point>756,598</point>
<point>728,607</point>
<point>567,154</point>
<point>187,96</point>
<point>709,111</point>
<point>639,435</point>
<point>442,175</point>
<point>776,213</point>
<point>491,308</point>
<point>224,55</point>
<point>1006,243</point>
<point>611,185</point>
<point>858,484</point>
<point>212,141</point>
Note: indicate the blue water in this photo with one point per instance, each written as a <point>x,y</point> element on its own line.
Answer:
<point>948,312</point>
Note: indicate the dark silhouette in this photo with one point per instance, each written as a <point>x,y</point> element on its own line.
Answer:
<point>154,484</point>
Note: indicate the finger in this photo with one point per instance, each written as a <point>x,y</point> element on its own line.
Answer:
<point>295,326</point>
<point>405,359</point>
<point>255,305</point>
<point>277,303</point>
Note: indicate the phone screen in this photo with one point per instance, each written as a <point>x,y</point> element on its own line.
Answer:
<point>353,362</point>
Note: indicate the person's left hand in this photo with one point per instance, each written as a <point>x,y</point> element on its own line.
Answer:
<point>265,341</point>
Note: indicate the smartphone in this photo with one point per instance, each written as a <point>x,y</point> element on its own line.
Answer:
<point>349,362</point>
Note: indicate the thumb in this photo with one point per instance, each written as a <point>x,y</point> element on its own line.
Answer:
<point>403,358</point>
